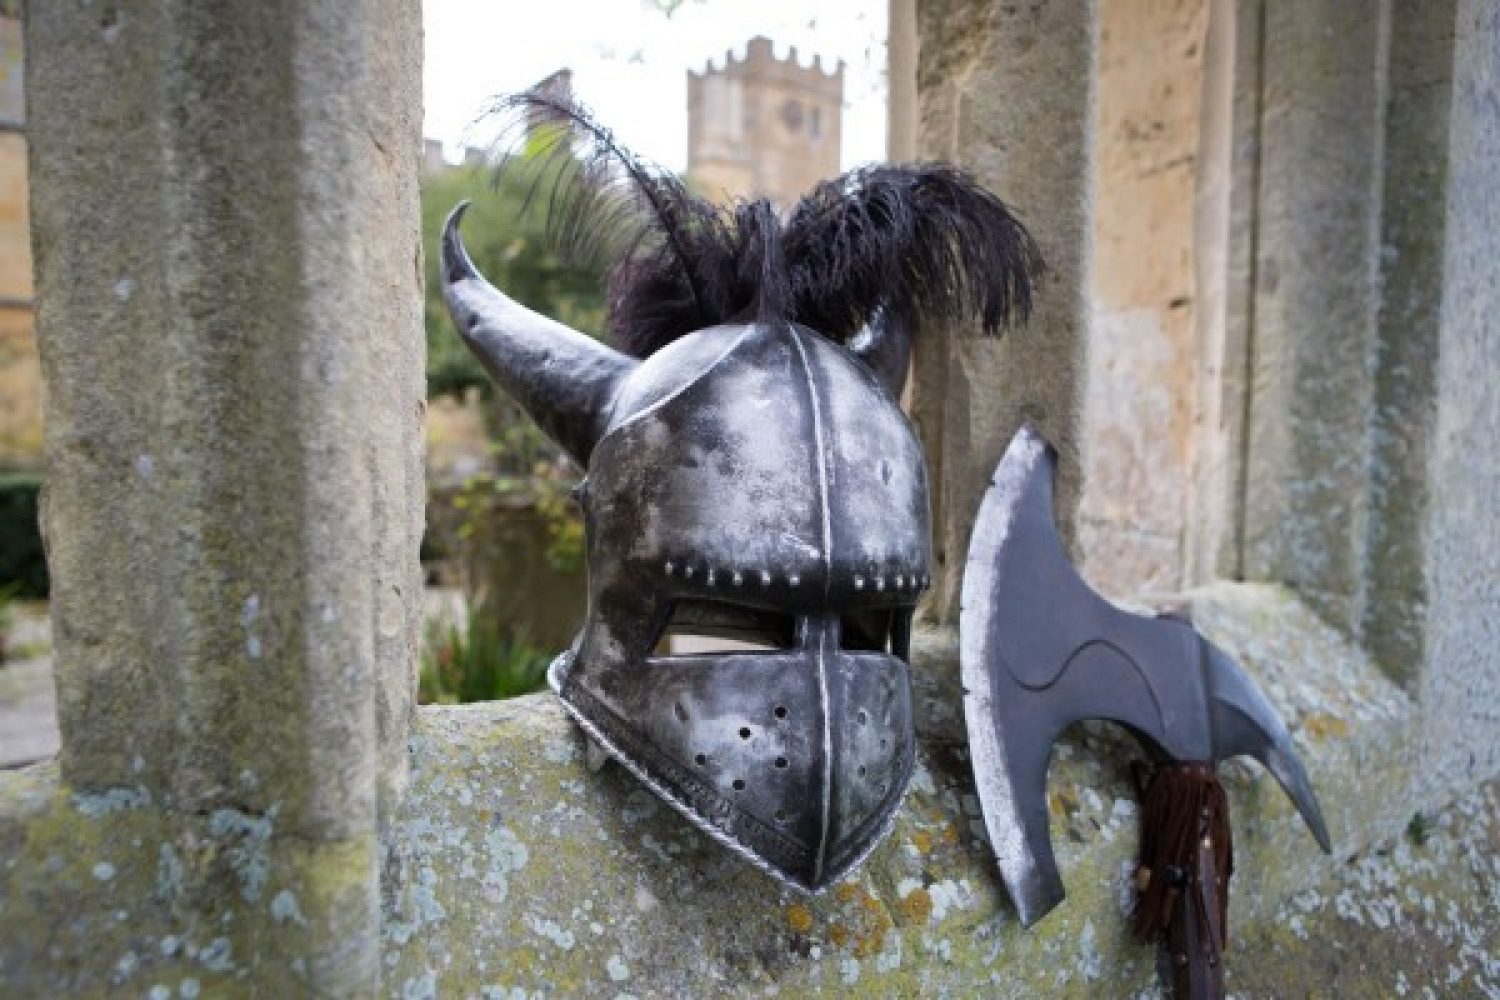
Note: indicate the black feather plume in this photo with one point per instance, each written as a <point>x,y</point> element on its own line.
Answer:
<point>914,241</point>
<point>905,241</point>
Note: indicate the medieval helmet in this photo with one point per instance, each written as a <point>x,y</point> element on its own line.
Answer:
<point>750,474</point>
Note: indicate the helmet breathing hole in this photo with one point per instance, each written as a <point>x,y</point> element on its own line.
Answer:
<point>739,784</point>
<point>744,732</point>
<point>780,711</point>
<point>701,759</point>
<point>781,762</point>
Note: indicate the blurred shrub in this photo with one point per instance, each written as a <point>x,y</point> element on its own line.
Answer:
<point>477,661</point>
<point>23,566</point>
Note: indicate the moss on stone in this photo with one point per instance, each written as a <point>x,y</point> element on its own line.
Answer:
<point>104,893</point>
<point>512,867</point>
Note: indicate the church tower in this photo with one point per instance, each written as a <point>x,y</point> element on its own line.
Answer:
<point>762,126</point>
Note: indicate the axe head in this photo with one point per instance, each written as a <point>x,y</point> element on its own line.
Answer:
<point>1040,650</point>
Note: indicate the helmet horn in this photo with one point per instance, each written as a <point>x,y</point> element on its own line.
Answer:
<point>564,379</point>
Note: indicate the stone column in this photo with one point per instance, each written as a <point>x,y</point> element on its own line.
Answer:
<point>1460,684</point>
<point>1354,320</point>
<point>226,239</point>
<point>1414,220</point>
<point>1315,294</point>
<point>1007,92</point>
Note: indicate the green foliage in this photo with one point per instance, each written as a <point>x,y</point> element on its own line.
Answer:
<point>564,530</point>
<point>7,618</point>
<point>508,242</point>
<point>23,564</point>
<point>547,489</point>
<point>477,662</point>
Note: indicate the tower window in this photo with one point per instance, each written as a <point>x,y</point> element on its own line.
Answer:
<point>791,113</point>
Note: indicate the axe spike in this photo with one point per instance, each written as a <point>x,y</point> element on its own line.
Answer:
<point>1245,723</point>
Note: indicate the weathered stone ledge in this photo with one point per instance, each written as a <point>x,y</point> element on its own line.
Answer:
<point>510,867</point>
<point>512,871</point>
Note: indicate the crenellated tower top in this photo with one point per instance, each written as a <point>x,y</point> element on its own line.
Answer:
<point>763,125</point>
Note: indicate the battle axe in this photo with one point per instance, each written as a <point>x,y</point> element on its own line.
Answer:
<point>1040,651</point>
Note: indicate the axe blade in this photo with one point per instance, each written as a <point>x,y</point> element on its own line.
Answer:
<point>1010,773</point>
<point>1039,650</point>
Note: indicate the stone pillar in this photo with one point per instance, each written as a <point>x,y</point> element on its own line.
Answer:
<point>226,239</point>
<point>1460,685</point>
<point>1414,221</point>
<point>1316,270</point>
<point>1007,92</point>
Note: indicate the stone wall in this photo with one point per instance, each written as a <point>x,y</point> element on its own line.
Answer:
<point>20,372</point>
<point>1459,682</point>
<point>510,869</point>
<point>1139,427</point>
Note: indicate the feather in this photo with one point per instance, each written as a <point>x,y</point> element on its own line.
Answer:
<point>919,241</point>
<point>673,256</point>
<point>910,242</point>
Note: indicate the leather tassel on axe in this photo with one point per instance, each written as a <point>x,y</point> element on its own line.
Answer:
<point>1182,881</point>
<point>1039,651</point>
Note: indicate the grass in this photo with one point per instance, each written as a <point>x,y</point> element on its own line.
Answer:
<point>477,661</point>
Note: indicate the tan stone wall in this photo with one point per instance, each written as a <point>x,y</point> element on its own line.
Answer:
<point>20,391</point>
<point>1139,410</point>
<point>722,180</point>
<point>15,228</point>
<point>20,373</point>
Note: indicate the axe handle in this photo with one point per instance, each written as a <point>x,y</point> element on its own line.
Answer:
<point>1191,946</point>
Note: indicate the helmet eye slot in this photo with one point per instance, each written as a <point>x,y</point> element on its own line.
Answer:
<point>701,626</point>
<point>696,625</point>
<point>880,630</point>
<point>867,630</point>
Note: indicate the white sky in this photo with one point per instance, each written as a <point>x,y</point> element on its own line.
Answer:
<point>630,60</point>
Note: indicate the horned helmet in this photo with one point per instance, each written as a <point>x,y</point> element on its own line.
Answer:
<point>750,474</point>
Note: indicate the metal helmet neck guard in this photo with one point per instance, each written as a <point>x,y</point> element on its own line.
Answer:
<point>750,475</point>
